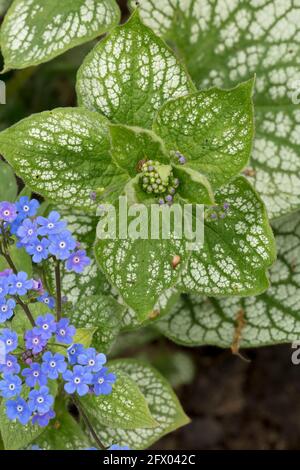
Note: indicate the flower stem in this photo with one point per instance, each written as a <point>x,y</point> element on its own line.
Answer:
<point>87,422</point>
<point>58,290</point>
<point>5,254</point>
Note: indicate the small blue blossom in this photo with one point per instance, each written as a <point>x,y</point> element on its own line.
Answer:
<point>61,245</point>
<point>34,375</point>
<point>34,341</point>
<point>77,261</point>
<point>3,287</point>
<point>10,386</point>
<point>15,225</point>
<point>91,359</point>
<point>18,409</point>
<point>73,353</point>
<point>40,400</point>
<point>43,420</point>
<point>19,284</point>
<point>52,225</point>
<point>8,211</point>
<point>6,309</point>
<point>10,366</point>
<point>46,325</point>
<point>10,339</point>
<point>47,300</point>
<point>65,332</point>
<point>103,381</point>
<point>27,232</point>
<point>53,365</point>
<point>26,207</point>
<point>117,447</point>
<point>38,250</point>
<point>77,380</point>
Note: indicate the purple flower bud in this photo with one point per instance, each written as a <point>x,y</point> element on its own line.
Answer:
<point>172,190</point>
<point>213,216</point>
<point>38,285</point>
<point>169,198</point>
<point>28,361</point>
<point>182,160</point>
<point>78,244</point>
<point>226,206</point>
<point>6,273</point>
<point>161,201</point>
<point>93,195</point>
<point>150,168</point>
<point>64,299</point>
<point>222,215</point>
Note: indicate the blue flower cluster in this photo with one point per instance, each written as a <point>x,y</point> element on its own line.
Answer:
<point>42,237</point>
<point>26,375</point>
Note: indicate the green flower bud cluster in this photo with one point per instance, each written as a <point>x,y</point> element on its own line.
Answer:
<point>158,179</point>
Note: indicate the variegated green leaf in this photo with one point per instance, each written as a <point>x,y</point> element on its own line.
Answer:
<point>270,318</point>
<point>130,74</point>
<point>8,183</point>
<point>213,129</point>
<point>62,154</point>
<point>163,404</point>
<point>35,31</point>
<point>237,250</point>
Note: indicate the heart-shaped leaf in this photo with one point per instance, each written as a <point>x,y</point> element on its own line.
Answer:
<point>35,31</point>
<point>64,155</point>
<point>238,246</point>
<point>213,130</point>
<point>130,74</point>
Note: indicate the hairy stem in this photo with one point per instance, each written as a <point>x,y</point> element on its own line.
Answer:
<point>58,290</point>
<point>87,422</point>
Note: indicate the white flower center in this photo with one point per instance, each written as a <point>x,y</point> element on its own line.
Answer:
<point>35,341</point>
<point>100,381</point>
<point>39,248</point>
<point>40,400</point>
<point>62,332</point>
<point>45,326</point>
<point>6,212</point>
<point>4,308</point>
<point>9,342</point>
<point>25,208</point>
<point>77,380</point>
<point>30,231</point>
<point>52,364</point>
<point>9,363</point>
<point>76,259</point>
<point>19,284</point>
<point>36,374</point>
<point>62,245</point>
<point>91,362</point>
<point>20,408</point>
<point>50,225</point>
<point>11,387</point>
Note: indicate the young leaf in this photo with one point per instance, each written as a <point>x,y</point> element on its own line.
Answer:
<point>63,154</point>
<point>130,145</point>
<point>270,318</point>
<point>213,129</point>
<point>101,313</point>
<point>35,31</point>
<point>8,183</point>
<point>124,408</point>
<point>163,404</point>
<point>226,44</point>
<point>237,249</point>
<point>130,74</point>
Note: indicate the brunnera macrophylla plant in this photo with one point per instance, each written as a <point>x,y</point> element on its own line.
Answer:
<point>143,129</point>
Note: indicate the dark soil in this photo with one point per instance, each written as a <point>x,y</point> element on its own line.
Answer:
<point>238,405</point>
